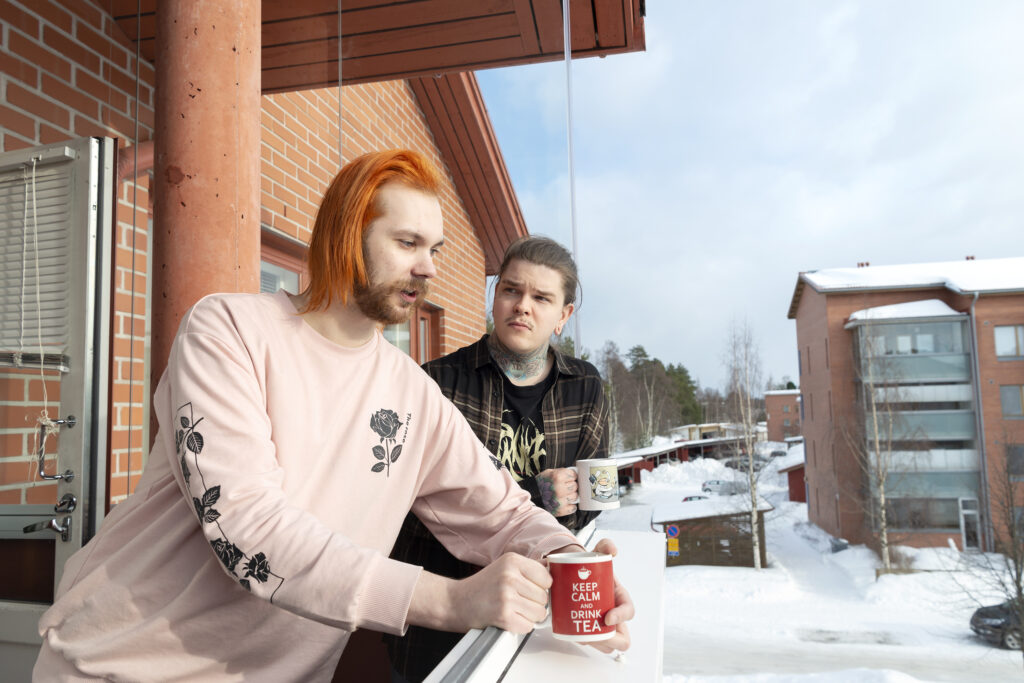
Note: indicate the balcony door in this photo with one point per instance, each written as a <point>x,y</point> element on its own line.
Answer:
<point>56,208</point>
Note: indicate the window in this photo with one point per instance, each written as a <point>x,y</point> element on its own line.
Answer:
<point>273,277</point>
<point>282,263</point>
<point>1010,341</point>
<point>923,513</point>
<point>420,337</point>
<point>785,423</point>
<point>1012,398</point>
<point>785,409</point>
<point>1015,459</point>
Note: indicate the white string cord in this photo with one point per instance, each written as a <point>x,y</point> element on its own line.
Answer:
<point>44,414</point>
<point>24,263</point>
<point>566,27</point>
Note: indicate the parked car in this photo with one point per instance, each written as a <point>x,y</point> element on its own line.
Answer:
<point>689,498</point>
<point>777,454</point>
<point>998,624</point>
<point>741,463</point>
<point>723,487</point>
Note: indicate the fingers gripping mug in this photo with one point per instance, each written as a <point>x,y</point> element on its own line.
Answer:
<point>598,482</point>
<point>582,592</point>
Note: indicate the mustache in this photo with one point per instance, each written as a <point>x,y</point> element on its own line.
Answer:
<point>417,287</point>
<point>514,319</point>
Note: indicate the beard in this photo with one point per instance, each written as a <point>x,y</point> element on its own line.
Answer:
<point>377,302</point>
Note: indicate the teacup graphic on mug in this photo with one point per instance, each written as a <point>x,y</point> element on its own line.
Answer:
<point>584,573</point>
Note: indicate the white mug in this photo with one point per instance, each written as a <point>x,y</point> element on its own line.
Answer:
<point>598,482</point>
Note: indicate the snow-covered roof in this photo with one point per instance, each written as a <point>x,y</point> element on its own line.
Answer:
<point>782,392</point>
<point>986,276</point>
<point>928,308</point>
<point>658,449</point>
<point>793,458</point>
<point>715,506</point>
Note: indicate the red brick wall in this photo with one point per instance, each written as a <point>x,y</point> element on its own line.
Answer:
<point>999,431</point>
<point>300,157</point>
<point>775,405</point>
<point>67,71</point>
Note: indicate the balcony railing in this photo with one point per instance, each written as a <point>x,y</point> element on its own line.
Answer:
<point>932,367</point>
<point>929,425</point>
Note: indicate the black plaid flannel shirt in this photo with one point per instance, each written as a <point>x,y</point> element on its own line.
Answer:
<point>575,417</point>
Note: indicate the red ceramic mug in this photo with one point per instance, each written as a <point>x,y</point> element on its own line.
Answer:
<point>582,592</point>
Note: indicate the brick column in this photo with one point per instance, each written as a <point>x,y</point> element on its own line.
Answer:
<point>206,232</point>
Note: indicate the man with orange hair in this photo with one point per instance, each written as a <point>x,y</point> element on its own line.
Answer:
<point>292,442</point>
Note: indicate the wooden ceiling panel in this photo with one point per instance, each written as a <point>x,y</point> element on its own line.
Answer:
<point>388,39</point>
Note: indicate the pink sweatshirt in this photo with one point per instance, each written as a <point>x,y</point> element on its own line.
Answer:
<point>259,534</point>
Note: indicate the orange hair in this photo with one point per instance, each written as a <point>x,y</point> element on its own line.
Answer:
<point>335,257</point>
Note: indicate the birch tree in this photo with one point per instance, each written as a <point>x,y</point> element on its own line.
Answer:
<point>743,362</point>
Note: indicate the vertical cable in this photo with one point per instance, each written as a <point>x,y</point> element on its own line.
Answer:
<point>135,210</point>
<point>566,27</point>
<point>341,160</point>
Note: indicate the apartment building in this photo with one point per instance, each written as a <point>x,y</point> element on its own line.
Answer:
<point>783,409</point>
<point>912,387</point>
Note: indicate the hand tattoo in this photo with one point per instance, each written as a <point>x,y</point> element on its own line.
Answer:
<point>547,493</point>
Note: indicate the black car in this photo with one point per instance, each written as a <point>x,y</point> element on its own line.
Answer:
<point>998,624</point>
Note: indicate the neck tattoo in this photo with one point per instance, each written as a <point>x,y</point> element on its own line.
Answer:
<point>518,367</point>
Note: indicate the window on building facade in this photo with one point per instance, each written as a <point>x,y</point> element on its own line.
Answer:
<point>901,339</point>
<point>923,513</point>
<point>282,264</point>
<point>785,409</point>
<point>1009,341</point>
<point>420,336</point>
<point>1012,398</point>
<point>1015,459</point>
<point>785,423</point>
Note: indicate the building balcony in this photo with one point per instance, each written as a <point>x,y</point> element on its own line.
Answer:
<point>912,369</point>
<point>926,425</point>
<point>934,460</point>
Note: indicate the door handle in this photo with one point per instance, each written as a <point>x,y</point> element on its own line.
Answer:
<point>67,503</point>
<point>63,528</point>
<point>68,474</point>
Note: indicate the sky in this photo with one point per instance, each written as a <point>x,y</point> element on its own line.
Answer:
<point>755,140</point>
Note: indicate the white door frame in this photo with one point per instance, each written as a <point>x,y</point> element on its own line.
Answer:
<point>88,166</point>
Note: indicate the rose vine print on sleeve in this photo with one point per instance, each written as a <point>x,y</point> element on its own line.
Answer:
<point>385,423</point>
<point>242,566</point>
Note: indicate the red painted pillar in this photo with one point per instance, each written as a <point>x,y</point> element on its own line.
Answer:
<point>206,233</point>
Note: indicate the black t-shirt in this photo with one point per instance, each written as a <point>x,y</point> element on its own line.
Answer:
<point>521,447</point>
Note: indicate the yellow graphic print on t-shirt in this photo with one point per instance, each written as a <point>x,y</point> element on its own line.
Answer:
<point>521,450</point>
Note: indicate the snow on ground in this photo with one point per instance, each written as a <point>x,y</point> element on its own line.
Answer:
<point>812,615</point>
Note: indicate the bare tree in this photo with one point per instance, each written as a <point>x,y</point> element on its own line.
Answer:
<point>614,373</point>
<point>873,436</point>
<point>743,362</point>
<point>1003,570</point>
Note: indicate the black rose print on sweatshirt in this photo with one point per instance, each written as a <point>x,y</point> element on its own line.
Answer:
<point>242,566</point>
<point>385,424</point>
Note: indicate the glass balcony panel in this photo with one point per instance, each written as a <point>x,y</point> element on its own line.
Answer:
<point>934,425</point>
<point>932,485</point>
<point>953,367</point>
